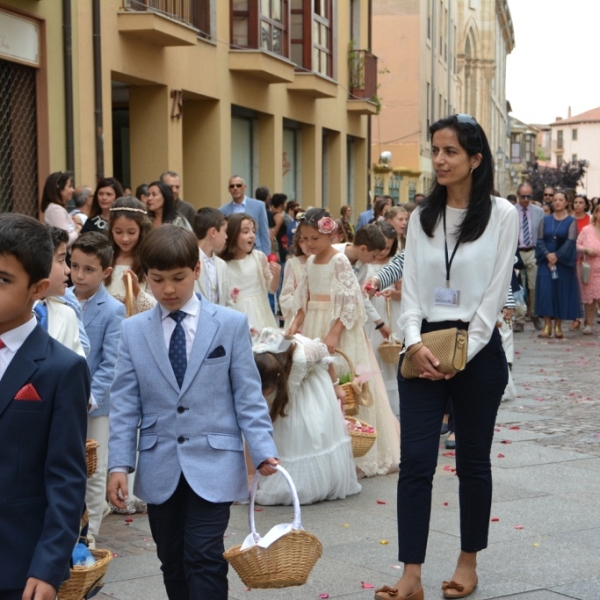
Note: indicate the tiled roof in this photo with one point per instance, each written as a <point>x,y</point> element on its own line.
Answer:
<point>589,116</point>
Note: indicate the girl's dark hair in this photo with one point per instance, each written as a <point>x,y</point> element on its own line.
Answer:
<point>313,216</point>
<point>234,226</point>
<point>295,249</point>
<point>55,184</point>
<point>473,140</point>
<point>141,190</point>
<point>588,205</point>
<point>110,182</point>
<point>390,233</point>
<point>380,204</point>
<point>118,210</point>
<point>274,371</point>
<point>341,230</point>
<point>169,212</point>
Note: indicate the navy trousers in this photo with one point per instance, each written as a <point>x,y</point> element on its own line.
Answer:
<point>475,393</point>
<point>188,531</point>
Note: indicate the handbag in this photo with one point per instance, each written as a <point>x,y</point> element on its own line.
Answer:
<point>449,346</point>
<point>585,271</point>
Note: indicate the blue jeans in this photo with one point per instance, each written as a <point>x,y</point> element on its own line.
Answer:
<point>475,394</point>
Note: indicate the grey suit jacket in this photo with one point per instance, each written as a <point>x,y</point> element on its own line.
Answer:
<point>258,211</point>
<point>196,430</point>
<point>537,216</point>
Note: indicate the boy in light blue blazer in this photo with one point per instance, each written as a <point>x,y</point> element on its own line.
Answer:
<point>91,260</point>
<point>186,377</point>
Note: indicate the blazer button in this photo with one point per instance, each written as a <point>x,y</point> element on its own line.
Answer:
<point>180,409</point>
<point>180,439</point>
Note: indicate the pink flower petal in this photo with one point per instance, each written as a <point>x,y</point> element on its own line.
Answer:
<point>381,502</point>
<point>449,453</point>
<point>323,595</point>
<point>367,586</point>
<point>495,519</point>
<point>519,527</point>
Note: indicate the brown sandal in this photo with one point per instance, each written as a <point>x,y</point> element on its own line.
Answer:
<point>452,589</point>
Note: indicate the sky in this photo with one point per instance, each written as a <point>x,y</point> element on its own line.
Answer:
<point>555,61</point>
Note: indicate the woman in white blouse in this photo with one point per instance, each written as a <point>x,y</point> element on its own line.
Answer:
<point>58,190</point>
<point>457,271</point>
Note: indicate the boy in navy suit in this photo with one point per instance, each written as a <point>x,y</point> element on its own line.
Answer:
<point>44,389</point>
<point>186,377</point>
<point>91,260</point>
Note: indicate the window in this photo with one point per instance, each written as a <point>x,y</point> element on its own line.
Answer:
<point>559,139</point>
<point>260,24</point>
<point>312,35</point>
<point>574,135</point>
<point>574,158</point>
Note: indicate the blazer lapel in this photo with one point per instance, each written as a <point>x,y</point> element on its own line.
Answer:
<point>155,341</point>
<point>22,366</point>
<point>92,308</point>
<point>205,333</point>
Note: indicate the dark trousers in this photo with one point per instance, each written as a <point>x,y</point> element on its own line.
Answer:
<point>11,594</point>
<point>475,394</point>
<point>188,531</point>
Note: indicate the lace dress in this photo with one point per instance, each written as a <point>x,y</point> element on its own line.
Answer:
<point>312,440</point>
<point>330,292</point>
<point>144,301</point>
<point>249,280</point>
<point>389,372</point>
<point>294,269</point>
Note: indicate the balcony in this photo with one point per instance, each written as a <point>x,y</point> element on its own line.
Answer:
<point>263,65</point>
<point>362,84</point>
<point>165,22</point>
<point>313,85</point>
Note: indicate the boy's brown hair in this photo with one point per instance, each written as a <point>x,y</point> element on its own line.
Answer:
<point>169,247</point>
<point>371,237</point>
<point>94,243</point>
<point>207,218</point>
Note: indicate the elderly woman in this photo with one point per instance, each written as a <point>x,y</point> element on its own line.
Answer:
<point>557,291</point>
<point>457,229</point>
<point>588,246</point>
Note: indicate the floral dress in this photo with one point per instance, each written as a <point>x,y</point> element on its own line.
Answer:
<point>294,269</point>
<point>144,301</point>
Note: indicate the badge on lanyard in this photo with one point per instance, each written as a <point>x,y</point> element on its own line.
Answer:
<point>447,296</point>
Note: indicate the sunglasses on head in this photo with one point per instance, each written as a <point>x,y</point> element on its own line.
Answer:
<point>236,185</point>
<point>465,119</point>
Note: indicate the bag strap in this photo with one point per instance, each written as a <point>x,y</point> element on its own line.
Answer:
<point>296,523</point>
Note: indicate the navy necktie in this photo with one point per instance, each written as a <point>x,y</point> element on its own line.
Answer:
<point>177,354</point>
<point>41,312</point>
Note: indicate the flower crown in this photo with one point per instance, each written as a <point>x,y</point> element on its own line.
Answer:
<point>125,209</point>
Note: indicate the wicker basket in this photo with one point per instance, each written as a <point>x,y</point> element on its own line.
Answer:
<point>85,579</point>
<point>351,399</point>
<point>361,442</point>
<point>91,456</point>
<point>287,561</point>
<point>389,350</point>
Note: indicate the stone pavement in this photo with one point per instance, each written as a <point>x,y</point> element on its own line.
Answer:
<point>545,534</point>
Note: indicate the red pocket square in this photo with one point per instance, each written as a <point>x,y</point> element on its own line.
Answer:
<point>27,392</point>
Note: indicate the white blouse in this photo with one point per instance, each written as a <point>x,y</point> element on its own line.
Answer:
<point>481,270</point>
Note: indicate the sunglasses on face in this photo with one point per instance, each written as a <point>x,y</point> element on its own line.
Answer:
<point>236,185</point>
<point>548,195</point>
<point>526,196</point>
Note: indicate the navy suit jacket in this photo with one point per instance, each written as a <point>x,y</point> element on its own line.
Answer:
<point>258,211</point>
<point>42,461</point>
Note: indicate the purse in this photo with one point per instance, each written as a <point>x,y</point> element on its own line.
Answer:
<point>585,271</point>
<point>449,346</point>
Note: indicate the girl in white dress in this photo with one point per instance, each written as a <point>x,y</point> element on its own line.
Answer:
<point>128,224</point>
<point>250,276</point>
<point>397,217</point>
<point>308,425</point>
<point>388,297</point>
<point>329,306</point>
<point>295,266</point>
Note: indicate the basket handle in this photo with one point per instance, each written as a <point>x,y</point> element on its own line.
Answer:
<point>129,310</point>
<point>296,523</point>
<point>342,353</point>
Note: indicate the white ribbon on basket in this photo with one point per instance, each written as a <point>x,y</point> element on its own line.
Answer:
<point>254,538</point>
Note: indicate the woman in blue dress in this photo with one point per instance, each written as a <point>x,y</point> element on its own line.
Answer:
<point>557,291</point>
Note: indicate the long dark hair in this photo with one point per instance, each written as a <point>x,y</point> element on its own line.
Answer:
<point>110,182</point>
<point>234,226</point>
<point>169,212</point>
<point>274,370</point>
<point>55,184</point>
<point>473,140</point>
<point>118,210</point>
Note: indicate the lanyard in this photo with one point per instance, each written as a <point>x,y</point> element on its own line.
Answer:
<point>448,262</point>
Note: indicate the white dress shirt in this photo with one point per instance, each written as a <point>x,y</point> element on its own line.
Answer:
<point>239,208</point>
<point>13,340</point>
<point>189,323</point>
<point>210,272</point>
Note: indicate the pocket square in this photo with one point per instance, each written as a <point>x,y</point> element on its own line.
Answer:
<point>28,393</point>
<point>217,352</point>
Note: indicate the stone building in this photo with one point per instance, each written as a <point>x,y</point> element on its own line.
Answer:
<point>436,58</point>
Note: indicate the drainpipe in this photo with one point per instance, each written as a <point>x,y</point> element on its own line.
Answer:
<point>68,68</point>
<point>369,118</point>
<point>98,90</point>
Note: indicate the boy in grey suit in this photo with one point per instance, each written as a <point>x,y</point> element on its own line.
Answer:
<point>186,374</point>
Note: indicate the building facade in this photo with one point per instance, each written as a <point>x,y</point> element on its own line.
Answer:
<point>437,58</point>
<point>578,138</point>
<point>277,91</point>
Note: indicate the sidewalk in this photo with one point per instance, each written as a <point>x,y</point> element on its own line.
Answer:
<point>545,544</point>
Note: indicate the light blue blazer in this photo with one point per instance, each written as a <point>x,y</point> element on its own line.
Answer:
<point>258,211</point>
<point>364,218</point>
<point>102,318</point>
<point>196,430</point>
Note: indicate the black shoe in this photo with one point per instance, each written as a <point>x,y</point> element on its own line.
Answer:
<point>450,444</point>
<point>537,323</point>
<point>444,429</point>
